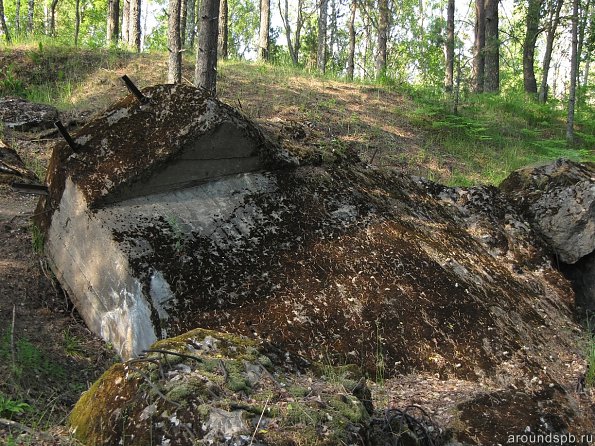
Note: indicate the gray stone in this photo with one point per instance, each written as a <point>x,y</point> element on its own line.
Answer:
<point>19,114</point>
<point>558,199</point>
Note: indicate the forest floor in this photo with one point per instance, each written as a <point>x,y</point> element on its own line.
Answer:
<point>48,356</point>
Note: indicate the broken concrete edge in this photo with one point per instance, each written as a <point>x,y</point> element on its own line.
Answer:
<point>130,142</point>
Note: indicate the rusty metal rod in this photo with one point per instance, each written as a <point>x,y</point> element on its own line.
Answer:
<point>74,146</point>
<point>135,91</point>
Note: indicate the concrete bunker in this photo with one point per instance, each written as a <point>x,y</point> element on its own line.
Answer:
<point>179,153</point>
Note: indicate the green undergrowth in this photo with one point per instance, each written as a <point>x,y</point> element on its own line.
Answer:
<point>488,137</point>
<point>492,135</point>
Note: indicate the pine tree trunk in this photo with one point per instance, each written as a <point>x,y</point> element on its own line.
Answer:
<point>183,21</point>
<point>113,18</point>
<point>449,50</point>
<point>264,31</point>
<point>554,20</point>
<point>582,26</point>
<point>134,29</point>
<point>573,71</point>
<point>125,35</point>
<point>3,23</point>
<point>223,30</point>
<point>174,44</point>
<point>351,56</point>
<point>30,14</point>
<point>531,33</point>
<point>383,23</point>
<point>321,47</point>
<point>206,51</point>
<point>479,47</point>
<point>491,83</point>
<point>77,21</point>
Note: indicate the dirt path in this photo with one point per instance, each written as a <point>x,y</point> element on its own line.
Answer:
<point>52,356</point>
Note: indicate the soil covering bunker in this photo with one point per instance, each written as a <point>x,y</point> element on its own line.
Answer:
<point>341,262</point>
<point>165,167</point>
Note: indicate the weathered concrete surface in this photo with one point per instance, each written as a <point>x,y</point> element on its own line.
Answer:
<point>19,114</point>
<point>559,201</point>
<point>187,139</point>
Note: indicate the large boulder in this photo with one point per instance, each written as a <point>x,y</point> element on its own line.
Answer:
<point>558,199</point>
<point>22,115</point>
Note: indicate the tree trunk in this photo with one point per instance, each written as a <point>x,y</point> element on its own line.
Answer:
<point>30,14</point>
<point>113,18</point>
<point>223,30</point>
<point>17,17</point>
<point>333,32</point>
<point>491,83</point>
<point>321,46</point>
<point>77,21</point>
<point>190,22</point>
<point>183,21</point>
<point>53,18</point>
<point>582,26</point>
<point>134,29</point>
<point>383,24</point>
<point>531,33</point>
<point>479,47</point>
<point>264,33</point>
<point>206,51</point>
<point>351,56</point>
<point>573,71</point>
<point>293,47</point>
<point>449,49</point>
<point>3,23</point>
<point>553,21</point>
<point>125,34</point>
<point>297,41</point>
<point>174,44</point>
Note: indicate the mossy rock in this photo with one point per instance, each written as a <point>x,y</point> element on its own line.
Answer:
<point>203,386</point>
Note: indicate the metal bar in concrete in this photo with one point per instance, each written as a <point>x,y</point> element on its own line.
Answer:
<point>35,189</point>
<point>74,146</point>
<point>135,91</point>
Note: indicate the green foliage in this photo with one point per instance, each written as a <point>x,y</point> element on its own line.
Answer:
<point>10,84</point>
<point>10,408</point>
<point>72,344</point>
<point>29,361</point>
<point>37,239</point>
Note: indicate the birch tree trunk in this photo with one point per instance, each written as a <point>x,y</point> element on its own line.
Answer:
<point>264,34</point>
<point>174,44</point>
<point>30,14</point>
<point>190,22</point>
<point>449,50</point>
<point>17,17</point>
<point>321,46</point>
<point>206,50</point>
<point>3,23</point>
